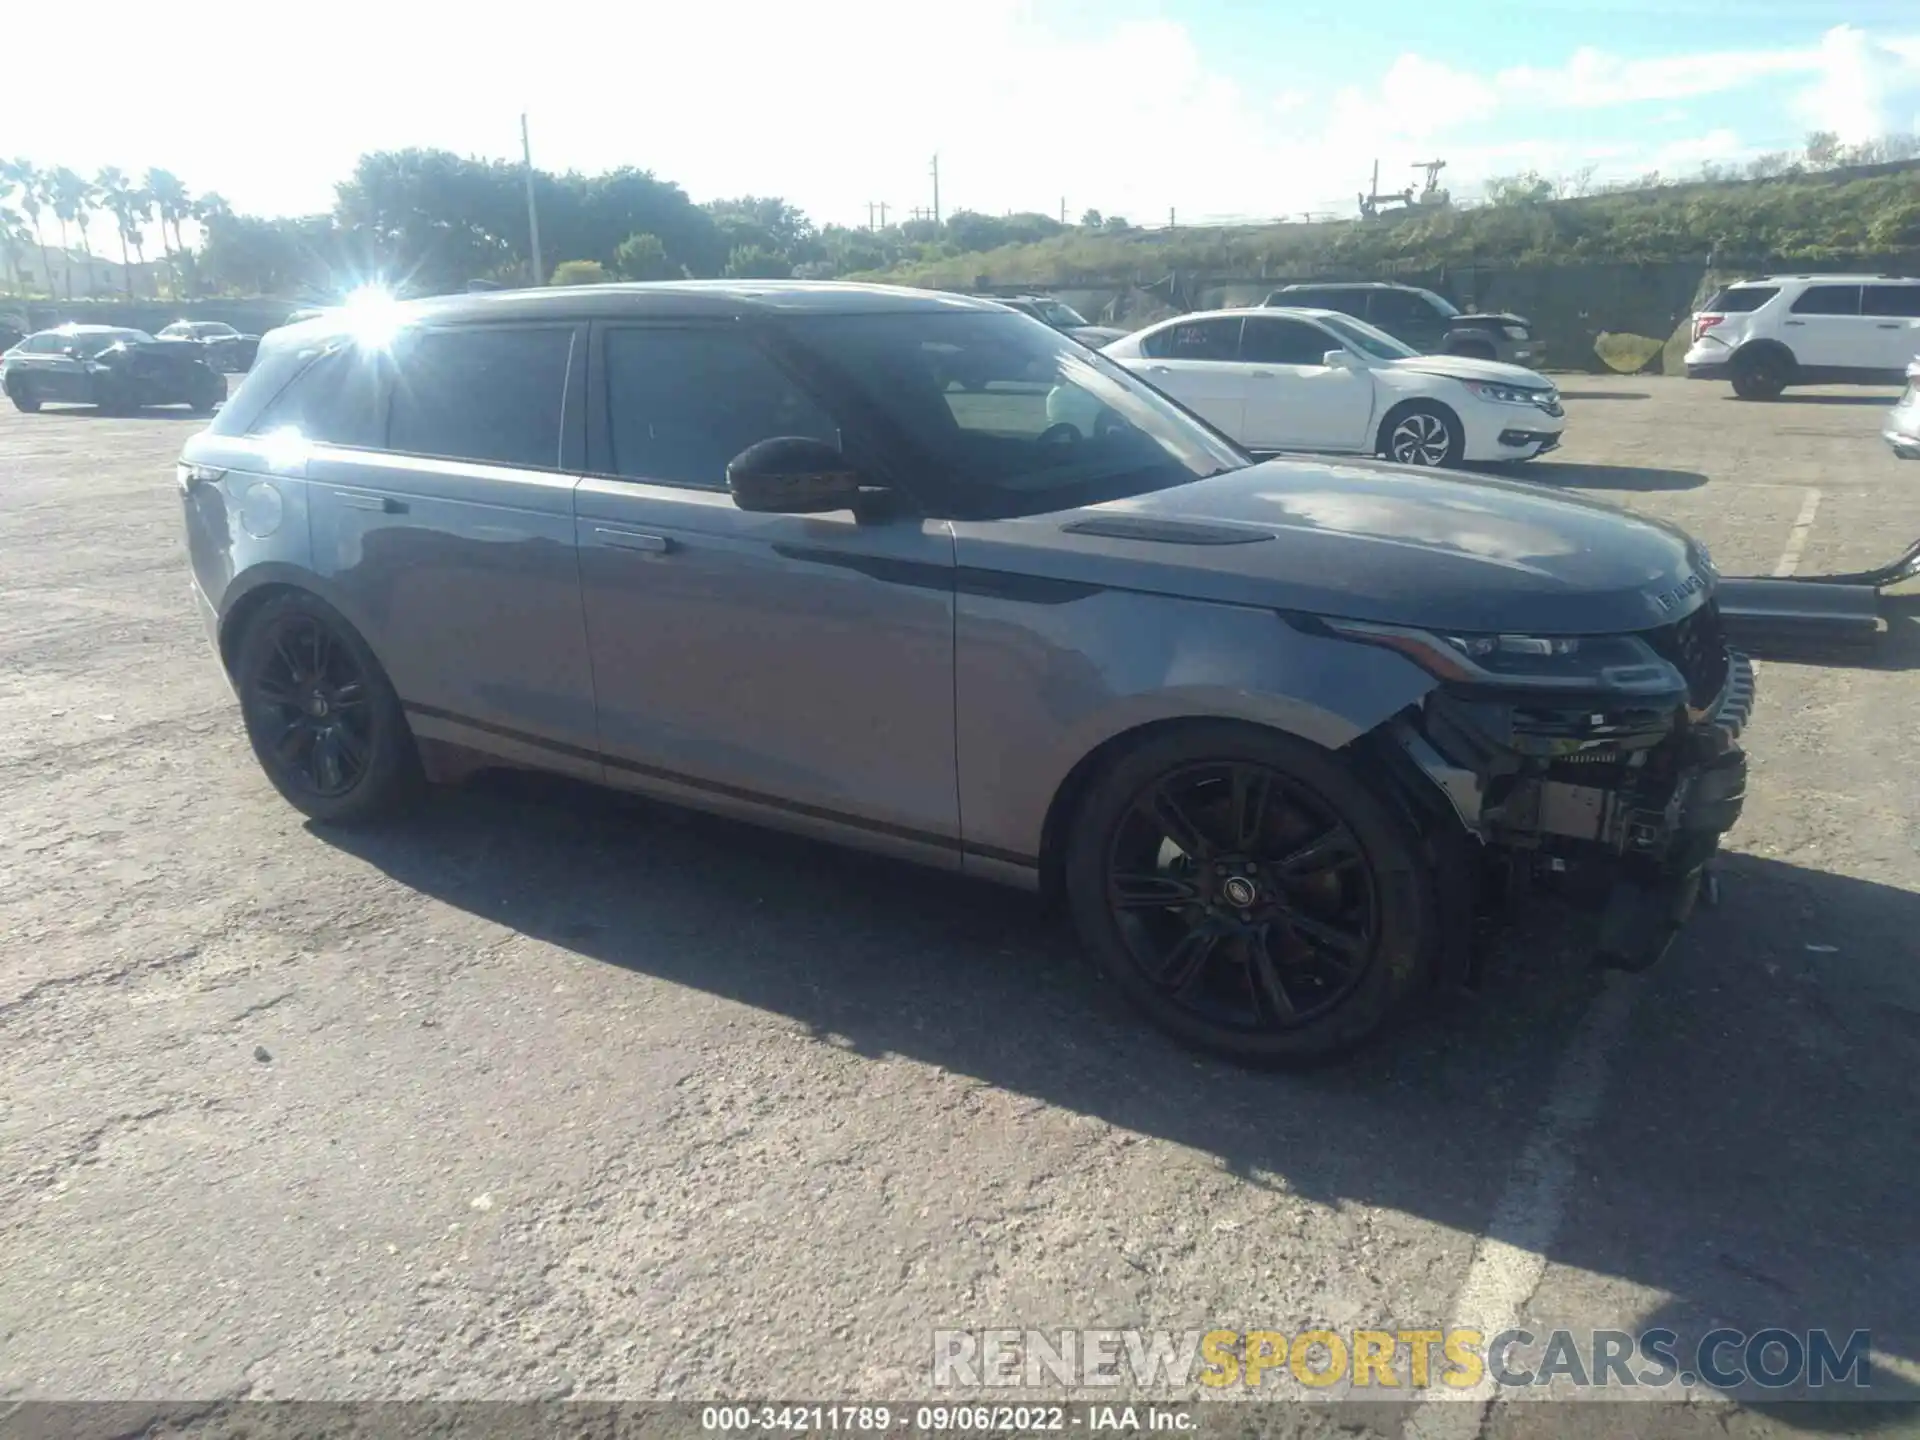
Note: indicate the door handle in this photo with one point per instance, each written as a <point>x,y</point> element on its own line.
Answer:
<point>1796,322</point>
<point>632,540</point>
<point>355,500</point>
<point>1261,374</point>
<point>1159,369</point>
<point>1889,325</point>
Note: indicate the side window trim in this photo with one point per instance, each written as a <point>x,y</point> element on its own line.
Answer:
<point>383,395</point>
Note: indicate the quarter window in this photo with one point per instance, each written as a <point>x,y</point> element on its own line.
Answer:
<point>334,401</point>
<point>1900,300</point>
<point>681,404</point>
<point>493,396</point>
<point>1828,300</point>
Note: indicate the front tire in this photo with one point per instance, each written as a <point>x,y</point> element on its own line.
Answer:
<point>1422,432</point>
<point>1250,894</point>
<point>23,402</point>
<point>321,715</point>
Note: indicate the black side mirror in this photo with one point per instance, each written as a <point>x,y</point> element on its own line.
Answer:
<point>793,475</point>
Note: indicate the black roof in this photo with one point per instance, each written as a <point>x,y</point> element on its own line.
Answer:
<point>719,299</point>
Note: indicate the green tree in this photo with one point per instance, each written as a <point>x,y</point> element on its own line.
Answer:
<point>643,257</point>
<point>752,262</point>
<point>580,272</point>
<point>14,239</point>
<point>117,199</point>
<point>1092,220</point>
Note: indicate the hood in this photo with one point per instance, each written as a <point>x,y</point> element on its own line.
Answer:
<point>1094,336</point>
<point>1464,367</point>
<point>1369,541</point>
<point>1487,320</point>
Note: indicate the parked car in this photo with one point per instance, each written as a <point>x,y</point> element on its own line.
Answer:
<point>1765,335</point>
<point>227,350</point>
<point>1903,421</point>
<point>13,329</point>
<point>1060,315</point>
<point>1315,380</point>
<point>1430,323</point>
<point>1261,724</point>
<point>113,368</point>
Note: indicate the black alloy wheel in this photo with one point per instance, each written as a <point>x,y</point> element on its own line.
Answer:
<point>324,722</point>
<point>1257,900</point>
<point>1761,373</point>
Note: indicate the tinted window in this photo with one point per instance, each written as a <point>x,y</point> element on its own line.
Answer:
<point>1403,308</point>
<point>42,344</point>
<point>489,395</point>
<point>682,403</point>
<point>1828,300</point>
<point>1346,301</point>
<point>1285,342</point>
<point>1216,339</point>
<point>1891,300</point>
<point>1742,301</point>
<point>334,401</point>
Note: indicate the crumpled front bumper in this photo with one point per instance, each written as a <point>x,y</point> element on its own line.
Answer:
<point>1645,810</point>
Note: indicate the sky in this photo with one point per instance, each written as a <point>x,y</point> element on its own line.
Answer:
<point>1209,109</point>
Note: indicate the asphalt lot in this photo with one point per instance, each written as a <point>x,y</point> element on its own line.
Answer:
<point>545,1093</point>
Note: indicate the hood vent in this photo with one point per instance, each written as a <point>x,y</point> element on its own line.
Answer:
<point>1165,532</point>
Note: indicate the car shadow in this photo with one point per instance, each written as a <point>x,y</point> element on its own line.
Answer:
<point>1773,1075</point>
<point>145,412</point>
<point>1886,399</point>
<point>1593,476</point>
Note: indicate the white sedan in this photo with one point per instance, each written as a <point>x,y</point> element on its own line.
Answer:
<point>1294,379</point>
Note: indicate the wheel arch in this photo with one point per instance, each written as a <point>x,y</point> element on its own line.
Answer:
<point>1764,345</point>
<point>256,587</point>
<point>1408,403</point>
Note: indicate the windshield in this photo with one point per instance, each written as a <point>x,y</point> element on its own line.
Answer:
<point>1440,302</point>
<point>1055,313</point>
<point>1358,335</point>
<point>1009,417</point>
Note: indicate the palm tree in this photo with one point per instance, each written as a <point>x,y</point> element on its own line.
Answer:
<point>209,209</point>
<point>32,184</point>
<point>171,199</point>
<point>14,237</point>
<point>116,195</point>
<point>72,200</point>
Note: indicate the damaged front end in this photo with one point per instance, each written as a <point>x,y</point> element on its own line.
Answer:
<point>1615,758</point>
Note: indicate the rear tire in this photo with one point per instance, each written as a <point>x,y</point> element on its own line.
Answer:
<point>323,719</point>
<point>1291,920</point>
<point>1422,432</point>
<point>208,395</point>
<point>1761,374</point>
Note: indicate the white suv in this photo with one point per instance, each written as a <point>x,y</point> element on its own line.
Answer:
<point>1765,335</point>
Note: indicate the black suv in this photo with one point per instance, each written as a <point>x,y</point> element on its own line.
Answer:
<point>1428,322</point>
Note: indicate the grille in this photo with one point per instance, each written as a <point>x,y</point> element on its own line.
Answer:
<point>1697,646</point>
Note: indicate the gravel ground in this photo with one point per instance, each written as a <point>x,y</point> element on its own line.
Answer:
<point>547,1093</point>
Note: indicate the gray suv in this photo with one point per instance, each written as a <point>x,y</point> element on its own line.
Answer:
<point>1269,728</point>
<point>1430,323</point>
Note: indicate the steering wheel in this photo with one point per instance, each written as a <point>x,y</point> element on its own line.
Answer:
<point>1062,433</point>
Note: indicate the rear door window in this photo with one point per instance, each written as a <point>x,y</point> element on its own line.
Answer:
<point>1896,300</point>
<point>492,395</point>
<point>682,403</point>
<point>1213,339</point>
<point>1743,301</point>
<point>1400,310</point>
<point>1828,300</point>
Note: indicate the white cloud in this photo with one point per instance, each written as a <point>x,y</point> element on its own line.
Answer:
<point>841,102</point>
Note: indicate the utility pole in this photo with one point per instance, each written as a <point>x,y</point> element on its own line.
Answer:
<point>936,189</point>
<point>533,212</point>
<point>1170,219</point>
<point>1063,209</point>
<point>883,214</point>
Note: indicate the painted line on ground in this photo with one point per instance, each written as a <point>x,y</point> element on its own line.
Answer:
<point>1510,1258</point>
<point>1797,537</point>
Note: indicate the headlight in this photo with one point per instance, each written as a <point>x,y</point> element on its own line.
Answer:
<point>1503,394</point>
<point>1620,663</point>
<point>1514,332</point>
